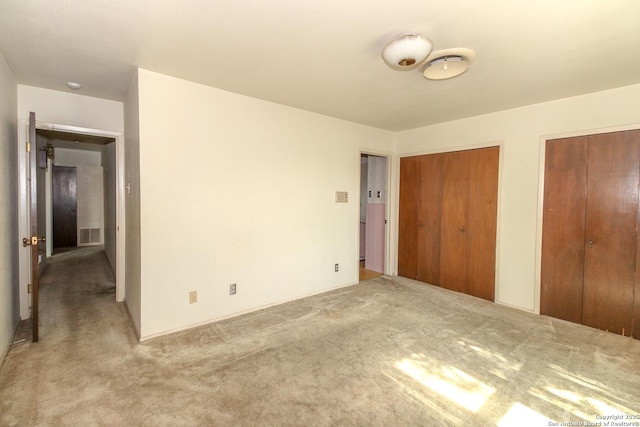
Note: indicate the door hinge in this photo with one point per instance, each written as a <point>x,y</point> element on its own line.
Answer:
<point>28,147</point>
<point>29,288</point>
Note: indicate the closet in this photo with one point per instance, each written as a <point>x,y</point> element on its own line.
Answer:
<point>590,231</point>
<point>447,223</point>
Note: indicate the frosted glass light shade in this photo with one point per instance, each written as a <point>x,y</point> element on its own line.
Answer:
<point>407,52</point>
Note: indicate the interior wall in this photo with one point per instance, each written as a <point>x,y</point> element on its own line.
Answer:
<point>70,109</point>
<point>9,292</point>
<point>521,132</point>
<point>133,273</point>
<point>90,187</point>
<point>228,195</point>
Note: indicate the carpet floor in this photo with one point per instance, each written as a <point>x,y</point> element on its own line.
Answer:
<point>385,352</point>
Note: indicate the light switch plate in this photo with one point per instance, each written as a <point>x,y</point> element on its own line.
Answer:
<point>342,197</point>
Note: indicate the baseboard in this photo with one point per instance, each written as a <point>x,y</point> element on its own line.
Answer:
<point>240,313</point>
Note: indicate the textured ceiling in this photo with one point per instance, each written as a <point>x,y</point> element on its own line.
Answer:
<point>324,56</point>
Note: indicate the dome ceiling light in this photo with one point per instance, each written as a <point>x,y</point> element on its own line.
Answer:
<point>413,50</point>
<point>407,52</point>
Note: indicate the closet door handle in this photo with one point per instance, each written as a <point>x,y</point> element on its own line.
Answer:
<point>590,242</point>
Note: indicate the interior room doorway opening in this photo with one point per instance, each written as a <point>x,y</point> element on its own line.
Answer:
<point>99,156</point>
<point>373,215</point>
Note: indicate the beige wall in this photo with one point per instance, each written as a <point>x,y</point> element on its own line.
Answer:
<point>9,290</point>
<point>239,190</point>
<point>70,109</point>
<point>521,133</point>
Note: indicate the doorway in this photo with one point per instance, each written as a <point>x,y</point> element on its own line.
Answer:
<point>106,210</point>
<point>373,212</point>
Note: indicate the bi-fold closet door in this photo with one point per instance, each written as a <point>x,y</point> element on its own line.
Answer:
<point>448,213</point>
<point>590,231</point>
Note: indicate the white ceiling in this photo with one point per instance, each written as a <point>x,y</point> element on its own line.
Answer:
<point>324,56</point>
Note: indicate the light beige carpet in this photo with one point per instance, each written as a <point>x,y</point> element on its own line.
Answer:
<point>386,352</point>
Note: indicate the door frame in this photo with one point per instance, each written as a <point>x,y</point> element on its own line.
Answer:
<point>389,262</point>
<point>542,163</point>
<point>23,223</point>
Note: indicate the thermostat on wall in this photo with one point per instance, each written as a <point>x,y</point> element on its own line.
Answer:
<point>342,197</point>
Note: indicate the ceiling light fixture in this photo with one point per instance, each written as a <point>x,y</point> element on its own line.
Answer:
<point>407,52</point>
<point>448,63</point>
<point>74,85</point>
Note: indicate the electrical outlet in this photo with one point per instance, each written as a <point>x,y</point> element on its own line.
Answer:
<point>193,297</point>
<point>232,289</point>
<point>337,268</point>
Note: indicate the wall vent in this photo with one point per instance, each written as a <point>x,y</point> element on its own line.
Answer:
<point>90,236</point>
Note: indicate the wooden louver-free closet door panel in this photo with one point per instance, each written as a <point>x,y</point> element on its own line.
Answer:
<point>408,210</point>
<point>429,218</point>
<point>482,214</point>
<point>611,231</point>
<point>563,224</point>
<point>455,196</point>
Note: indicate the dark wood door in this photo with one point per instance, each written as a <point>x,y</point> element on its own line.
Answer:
<point>408,211</point>
<point>429,218</point>
<point>563,224</point>
<point>64,207</point>
<point>611,231</point>
<point>455,203</point>
<point>482,213</point>
<point>34,240</point>
<point>590,231</point>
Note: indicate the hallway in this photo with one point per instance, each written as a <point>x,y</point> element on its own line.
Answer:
<point>77,294</point>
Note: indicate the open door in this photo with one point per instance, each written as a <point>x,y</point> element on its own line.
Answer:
<point>33,240</point>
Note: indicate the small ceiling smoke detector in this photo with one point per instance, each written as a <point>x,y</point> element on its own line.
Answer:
<point>74,85</point>
<point>448,63</point>
<point>407,52</point>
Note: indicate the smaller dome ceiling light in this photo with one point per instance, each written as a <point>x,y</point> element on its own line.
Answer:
<point>407,52</point>
<point>74,85</point>
<point>448,63</point>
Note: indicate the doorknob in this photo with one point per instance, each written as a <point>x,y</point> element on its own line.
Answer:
<point>34,241</point>
<point>590,242</point>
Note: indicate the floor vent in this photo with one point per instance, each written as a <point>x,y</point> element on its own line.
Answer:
<point>89,236</point>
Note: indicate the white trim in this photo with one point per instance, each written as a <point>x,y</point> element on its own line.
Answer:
<point>485,144</point>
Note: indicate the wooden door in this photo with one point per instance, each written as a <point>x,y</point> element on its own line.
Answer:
<point>429,218</point>
<point>611,231</point>
<point>34,241</point>
<point>408,210</point>
<point>590,231</point>
<point>563,225</point>
<point>64,207</point>
<point>482,214</point>
<point>455,198</point>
